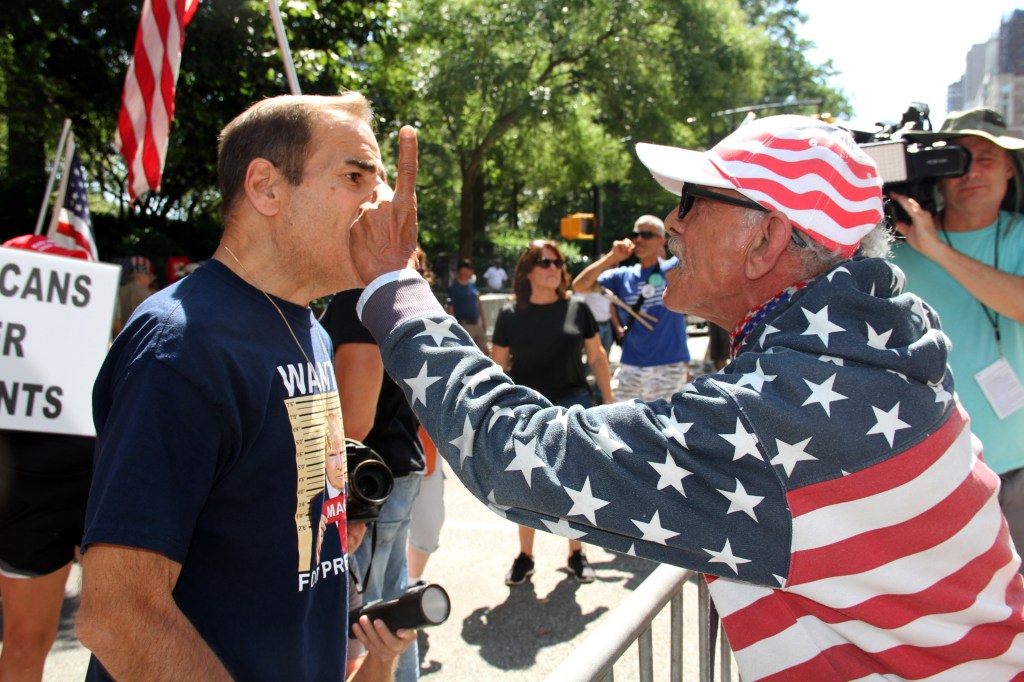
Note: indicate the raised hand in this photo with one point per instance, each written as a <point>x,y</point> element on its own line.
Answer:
<point>621,250</point>
<point>384,236</point>
<point>921,232</point>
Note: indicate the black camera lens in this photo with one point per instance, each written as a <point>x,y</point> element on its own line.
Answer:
<point>370,481</point>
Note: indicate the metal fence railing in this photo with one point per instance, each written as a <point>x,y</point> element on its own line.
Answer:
<point>633,622</point>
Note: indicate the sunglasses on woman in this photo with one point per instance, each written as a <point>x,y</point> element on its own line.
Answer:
<point>548,262</point>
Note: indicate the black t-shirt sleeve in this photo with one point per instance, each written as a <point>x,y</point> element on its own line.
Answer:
<point>500,336</point>
<point>585,321</point>
<point>341,321</point>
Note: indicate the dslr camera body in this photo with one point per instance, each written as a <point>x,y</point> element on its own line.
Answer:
<point>909,162</point>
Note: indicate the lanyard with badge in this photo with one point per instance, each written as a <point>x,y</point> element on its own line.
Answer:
<point>998,381</point>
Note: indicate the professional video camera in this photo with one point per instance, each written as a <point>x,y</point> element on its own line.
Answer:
<point>369,481</point>
<point>909,162</point>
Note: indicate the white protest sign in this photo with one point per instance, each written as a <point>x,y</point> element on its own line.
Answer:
<point>55,319</point>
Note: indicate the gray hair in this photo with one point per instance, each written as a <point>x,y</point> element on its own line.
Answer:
<point>819,258</point>
<point>650,221</point>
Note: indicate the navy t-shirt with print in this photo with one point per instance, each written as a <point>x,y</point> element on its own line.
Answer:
<point>211,446</point>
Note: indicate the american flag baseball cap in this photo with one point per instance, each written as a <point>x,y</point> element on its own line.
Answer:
<point>808,169</point>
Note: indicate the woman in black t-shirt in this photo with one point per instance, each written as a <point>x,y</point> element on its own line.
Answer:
<point>540,339</point>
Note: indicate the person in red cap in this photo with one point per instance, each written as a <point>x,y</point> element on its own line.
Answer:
<point>826,481</point>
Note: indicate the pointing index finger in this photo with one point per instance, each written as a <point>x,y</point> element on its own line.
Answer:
<point>408,162</point>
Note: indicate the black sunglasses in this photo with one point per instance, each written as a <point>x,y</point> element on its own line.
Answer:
<point>644,234</point>
<point>548,262</point>
<point>690,193</point>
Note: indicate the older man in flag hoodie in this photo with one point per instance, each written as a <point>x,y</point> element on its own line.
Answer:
<point>826,481</point>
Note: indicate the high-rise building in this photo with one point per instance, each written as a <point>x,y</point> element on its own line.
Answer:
<point>994,74</point>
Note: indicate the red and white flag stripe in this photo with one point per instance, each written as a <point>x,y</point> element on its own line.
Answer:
<point>147,103</point>
<point>826,187</point>
<point>885,579</point>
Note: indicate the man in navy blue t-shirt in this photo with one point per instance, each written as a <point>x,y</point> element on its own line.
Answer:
<point>464,305</point>
<point>214,545</point>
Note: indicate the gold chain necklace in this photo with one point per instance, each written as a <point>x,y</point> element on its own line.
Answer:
<point>309,363</point>
<point>279,311</point>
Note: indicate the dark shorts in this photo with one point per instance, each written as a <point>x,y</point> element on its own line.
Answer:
<point>44,484</point>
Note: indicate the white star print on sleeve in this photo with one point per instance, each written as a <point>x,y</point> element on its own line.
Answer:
<point>526,460</point>
<point>563,528</point>
<point>653,531</point>
<point>419,385</point>
<point>606,442</point>
<point>790,454</point>
<point>465,442</point>
<point>673,429</point>
<point>741,501</point>
<point>671,474</point>
<point>744,442</point>
<point>438,331</point>
<point>726,557</point>
<point>584,503</point>
<point>756,379</point>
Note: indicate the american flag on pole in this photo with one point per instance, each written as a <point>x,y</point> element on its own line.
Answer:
<point>71,226</point>
<point>147,103</point>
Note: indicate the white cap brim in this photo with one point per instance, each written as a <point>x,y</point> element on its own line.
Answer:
<point>673,167</point>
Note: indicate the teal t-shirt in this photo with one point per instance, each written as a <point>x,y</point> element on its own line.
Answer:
<point>974,343</point>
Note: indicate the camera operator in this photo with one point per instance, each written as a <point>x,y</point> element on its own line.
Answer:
<point>373,650</point>
<point>967,260</point>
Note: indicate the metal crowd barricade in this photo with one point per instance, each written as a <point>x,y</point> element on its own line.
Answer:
<point>632,621</point>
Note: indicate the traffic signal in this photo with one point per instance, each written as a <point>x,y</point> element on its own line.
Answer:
<point>578,226</point>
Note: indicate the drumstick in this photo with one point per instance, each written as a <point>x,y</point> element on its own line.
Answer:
<point>650,317</point>
<point>614,299</point>
<point>635,313</point>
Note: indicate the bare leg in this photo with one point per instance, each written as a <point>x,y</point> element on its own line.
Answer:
<point>417,563</point>
<point>31,615</point>
<point>574,545</point>
<point>526,540</point>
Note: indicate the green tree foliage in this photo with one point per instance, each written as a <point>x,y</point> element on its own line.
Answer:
<point>527,109</point>
<point>577,83</point>
<point>67,59</point>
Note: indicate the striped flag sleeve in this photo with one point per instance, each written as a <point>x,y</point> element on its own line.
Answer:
<point>905,568</point>
<point>147,102</point>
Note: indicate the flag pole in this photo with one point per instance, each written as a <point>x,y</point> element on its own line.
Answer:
<point>53,174</point>
<point>69,150</point>
<point>286,53</point>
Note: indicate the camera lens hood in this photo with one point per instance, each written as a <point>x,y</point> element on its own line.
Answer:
<point>419,607</point>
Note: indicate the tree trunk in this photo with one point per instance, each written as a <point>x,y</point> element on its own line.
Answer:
<point>471,218</point>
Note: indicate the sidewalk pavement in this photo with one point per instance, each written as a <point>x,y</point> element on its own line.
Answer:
<point>494,632</point>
